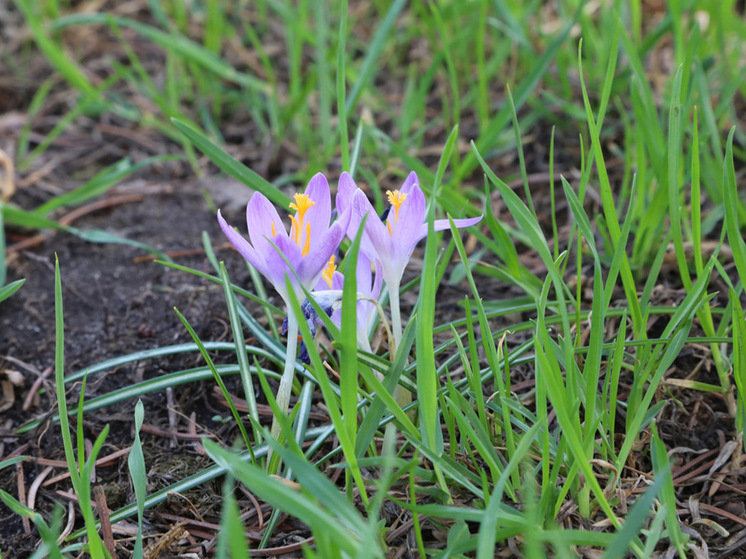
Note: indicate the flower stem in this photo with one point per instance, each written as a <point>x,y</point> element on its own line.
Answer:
<point>396,326</point>
<point>402,396</point>
<point>286,382</point>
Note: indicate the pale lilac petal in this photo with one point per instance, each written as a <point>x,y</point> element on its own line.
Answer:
<point>363,274</point>
<point>409,183</point>
<point>261,216</point>
<point>346,189</point>
<point>376,241</point>
<point>314,262</point>
<point>443,224</point>
<point>338,281</point>
<point>242,246</point>
<point>277,268</point>
<point>318,215</point>
<point>411,214</point>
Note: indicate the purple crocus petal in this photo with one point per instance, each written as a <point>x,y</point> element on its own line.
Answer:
<point>314,262</point>
<point>318,215</point>
<point>363,274</point>
<point>346,189</point>
<point>243,246</point>
<point>409,220</point>
<point>443,224</point>
<point>276,265</point>
<point>261,216</point>
<point>376,241</point>
<point>338,281</point>
<point>409,183</point>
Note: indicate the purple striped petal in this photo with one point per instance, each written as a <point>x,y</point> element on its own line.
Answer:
<point>409,220</point>
<point>261,216</point>
<point>243,246</point>
<point>376,241</point>
<point>318,215</point>
<point>443,224</point>
<point>310,267</point>
<point>346,189</point>
<point>277,268</point>
<point>409,183</point>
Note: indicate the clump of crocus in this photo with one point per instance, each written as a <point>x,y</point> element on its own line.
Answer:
<point>306,255</point>
<point>299,255</point>
<point>391,241</point>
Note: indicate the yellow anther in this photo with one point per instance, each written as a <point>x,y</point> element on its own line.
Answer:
<point>301,205</point>
<point>396,199</point>
<point>307,244</point>
<point>273,229</point>
<point>328,272</point>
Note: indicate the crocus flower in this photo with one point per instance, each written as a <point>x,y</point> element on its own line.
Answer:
<point>308,245</point>
<point>392,240</point>
<point>299,255</point>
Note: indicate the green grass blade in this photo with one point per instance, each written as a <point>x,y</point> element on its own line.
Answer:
<point>232,166</point>
<point>427,381</point>
<point>8,290</point>
<point>241,354</point>
<point>662,470</point>
<point>138,473</point>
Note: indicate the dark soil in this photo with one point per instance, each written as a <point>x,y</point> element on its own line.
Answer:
<point>115,304</point>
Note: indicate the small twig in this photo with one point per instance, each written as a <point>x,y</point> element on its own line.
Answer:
<point>36,484</point>
<point>152,430</point>
<point>7,181</point>
<point>22,497</point>
<point>257,507</point>
<point>105,461</point>
<point>103,515</point>
<point>35,388</point>
<point>722,513</point>
<point>276,551</point>
<point>192,429</point>
<point>70,524</point>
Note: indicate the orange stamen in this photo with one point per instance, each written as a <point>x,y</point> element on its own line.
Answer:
<point>301,205</point>
<point>396,199</point>
<point>307,245</point>
<point>328,272</point>
<point>273,229</point>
